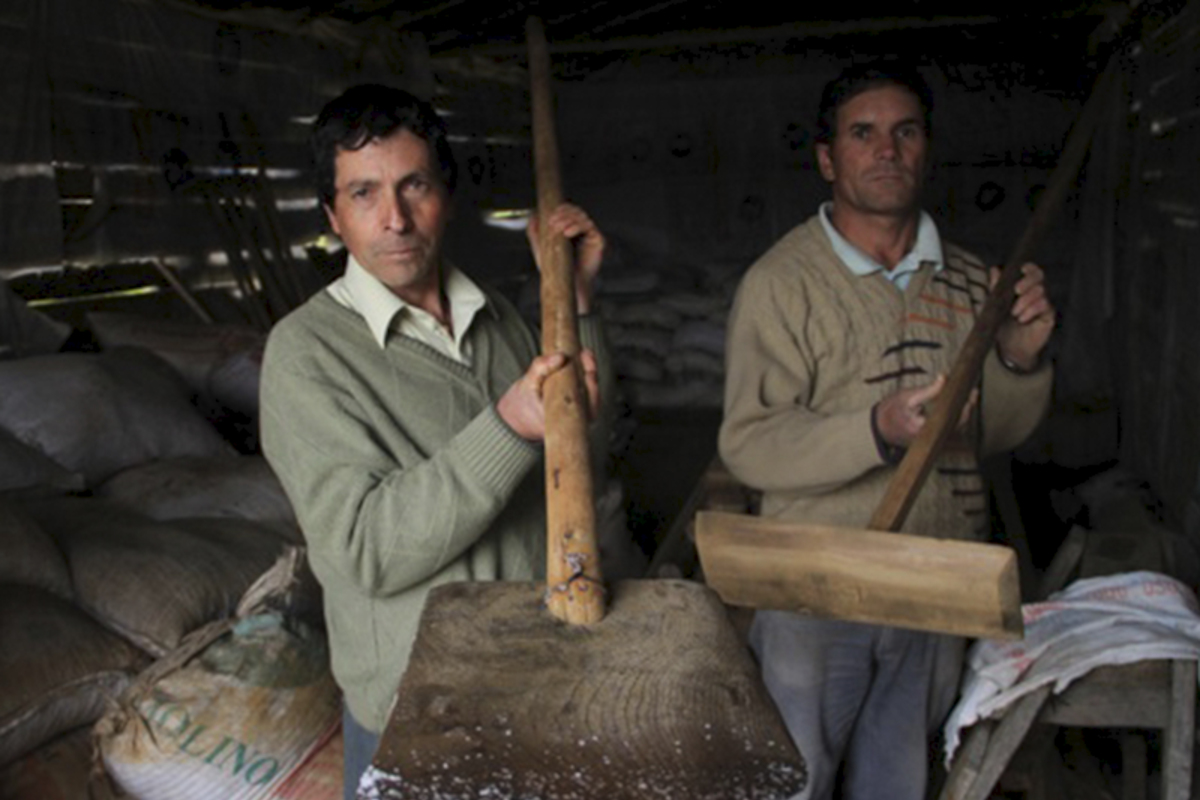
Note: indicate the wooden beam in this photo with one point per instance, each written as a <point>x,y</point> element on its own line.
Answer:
<point>574,583</point>
<point>668,40</point>
<point>949,586</point>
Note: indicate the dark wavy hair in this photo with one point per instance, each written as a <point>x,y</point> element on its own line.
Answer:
<point>859,78</point>
<point>374,111</point>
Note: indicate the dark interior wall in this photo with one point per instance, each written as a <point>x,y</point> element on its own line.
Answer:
<point>151,132</point>
<point>705,154</point>
<point>719,167</point>
<point>1149,326</point>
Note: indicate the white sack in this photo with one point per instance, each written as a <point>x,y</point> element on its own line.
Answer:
<point>233,723</point>
<point>1117,619</point>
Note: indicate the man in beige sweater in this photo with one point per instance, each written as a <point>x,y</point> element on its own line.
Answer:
<point>839,336</point>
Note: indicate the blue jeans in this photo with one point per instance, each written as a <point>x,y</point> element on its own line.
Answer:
<point>359,748</point>
<point>867,695</point>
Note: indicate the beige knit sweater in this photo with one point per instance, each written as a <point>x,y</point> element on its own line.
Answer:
<point>812,347</point>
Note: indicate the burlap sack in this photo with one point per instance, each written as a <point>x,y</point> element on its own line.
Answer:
<point>235,486</point>
<point>99,413</point>
<point>153,581</point>
<point>30,556</point>
<point>193,349</point>
<point>58,668</point>
<point>25,467</point>
<point>58,770</point>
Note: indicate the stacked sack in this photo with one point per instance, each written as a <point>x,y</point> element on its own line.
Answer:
<point>666,328</point>
<point>235,711</point>
<point>131,528</point>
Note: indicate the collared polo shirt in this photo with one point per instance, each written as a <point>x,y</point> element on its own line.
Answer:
<point>386,313</point>
<point>927,248</point>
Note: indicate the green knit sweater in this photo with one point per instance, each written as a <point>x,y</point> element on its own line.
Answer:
<point>812,347</point>
<point>402,475</point>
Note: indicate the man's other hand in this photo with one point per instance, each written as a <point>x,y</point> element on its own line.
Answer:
<point>572,222</point>
<point>1025,333</point>
<point>901,416</point>
<point>521,407</point>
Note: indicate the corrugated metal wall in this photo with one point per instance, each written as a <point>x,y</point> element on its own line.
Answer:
<point>1155,344</point>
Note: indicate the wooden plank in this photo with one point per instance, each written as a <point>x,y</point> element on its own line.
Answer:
<point>657,699</point>
<point>968,760</point>
<point>1133,765</point>
<point>1003,744</point>
<point>1115,696</point>
<point>1065,560</point>
<point>962,588</point>
<point>1180,739</point>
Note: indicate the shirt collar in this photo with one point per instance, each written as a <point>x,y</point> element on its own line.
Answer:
<point>379,306</point>
<point>927,248</point>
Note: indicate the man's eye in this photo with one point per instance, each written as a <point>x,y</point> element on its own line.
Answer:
<point>358,194</point>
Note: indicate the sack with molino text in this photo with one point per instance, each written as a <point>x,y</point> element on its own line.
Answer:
<point>231,714</point>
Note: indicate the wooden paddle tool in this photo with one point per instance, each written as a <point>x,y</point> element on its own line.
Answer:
<point>532,690</point>
<point>908,581</point>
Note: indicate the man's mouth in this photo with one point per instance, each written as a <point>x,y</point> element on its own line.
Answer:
<point>403,251</point>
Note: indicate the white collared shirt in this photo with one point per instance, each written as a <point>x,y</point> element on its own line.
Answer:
<point>384,312</point>
<point>927,248</point>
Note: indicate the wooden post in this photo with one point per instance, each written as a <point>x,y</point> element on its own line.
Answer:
<point>574,588</point>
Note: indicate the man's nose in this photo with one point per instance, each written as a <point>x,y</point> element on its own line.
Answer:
<point>399,215</point>
<point>889,148</point>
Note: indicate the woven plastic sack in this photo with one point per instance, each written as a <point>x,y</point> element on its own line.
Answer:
<point>234,721</point>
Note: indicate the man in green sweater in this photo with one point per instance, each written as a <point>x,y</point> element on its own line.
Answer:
<point>401,406</point>
<point>838,337</point>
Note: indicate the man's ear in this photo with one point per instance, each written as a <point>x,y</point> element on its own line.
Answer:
<point>329,215</point>
<point>824,162</point>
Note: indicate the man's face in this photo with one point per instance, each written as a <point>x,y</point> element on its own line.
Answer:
<point>390,208</point>
<point>876,161</point>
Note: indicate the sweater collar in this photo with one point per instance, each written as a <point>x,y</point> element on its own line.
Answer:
<point>927,249</point>
<point>379,306</point>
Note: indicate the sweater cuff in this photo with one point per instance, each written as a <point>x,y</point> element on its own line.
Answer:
<point>591,334</point>
<point>496,452</point>
<point>1038,365</point>
<point>890,453</point>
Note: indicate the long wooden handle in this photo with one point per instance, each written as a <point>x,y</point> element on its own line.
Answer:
<point>574,590</point>
<point>914,468</point>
